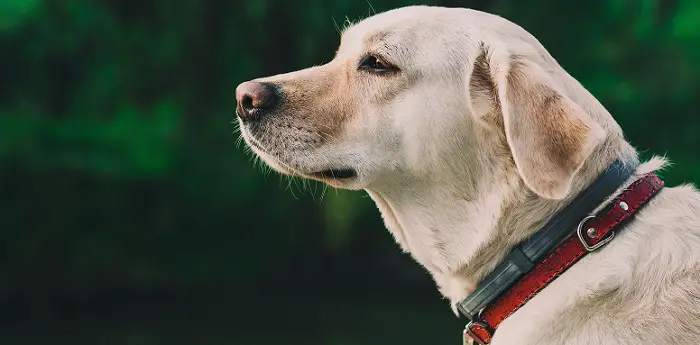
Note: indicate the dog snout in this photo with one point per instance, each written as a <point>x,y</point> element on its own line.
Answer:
<point>254,99</point>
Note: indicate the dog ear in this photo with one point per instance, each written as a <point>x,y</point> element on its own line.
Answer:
<point>549,135</point>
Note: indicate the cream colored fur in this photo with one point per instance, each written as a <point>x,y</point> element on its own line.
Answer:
<point>467,149</point>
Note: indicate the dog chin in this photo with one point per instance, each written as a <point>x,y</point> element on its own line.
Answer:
<point>345,178</point>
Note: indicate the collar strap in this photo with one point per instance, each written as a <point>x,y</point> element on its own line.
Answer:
<point>523,258</point>
<point>592,232</point>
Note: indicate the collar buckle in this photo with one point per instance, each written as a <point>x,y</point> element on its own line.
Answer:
<point>591,233</point>
<point>470,337</point>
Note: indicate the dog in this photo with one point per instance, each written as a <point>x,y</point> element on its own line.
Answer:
<point>468,135</point>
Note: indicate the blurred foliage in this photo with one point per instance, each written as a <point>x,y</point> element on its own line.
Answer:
<point>119,169</point>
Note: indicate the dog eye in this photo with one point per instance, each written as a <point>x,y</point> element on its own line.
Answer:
<point>376,64</point>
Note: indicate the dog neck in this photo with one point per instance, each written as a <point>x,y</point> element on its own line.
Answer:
<point>461,233</point>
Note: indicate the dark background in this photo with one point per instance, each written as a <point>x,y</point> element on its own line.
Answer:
<point>128,215</point>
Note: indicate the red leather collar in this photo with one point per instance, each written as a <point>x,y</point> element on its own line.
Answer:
<point>593,232</point>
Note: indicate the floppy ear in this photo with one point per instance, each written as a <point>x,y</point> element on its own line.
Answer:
<point>549,135</point>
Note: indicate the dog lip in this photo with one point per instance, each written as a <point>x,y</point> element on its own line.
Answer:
<point>330,174</point>
<point>257,146</point>
<point>336,174</point>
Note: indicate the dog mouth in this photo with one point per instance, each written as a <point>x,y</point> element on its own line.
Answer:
<point>331,174</point>
<point>336,174</point>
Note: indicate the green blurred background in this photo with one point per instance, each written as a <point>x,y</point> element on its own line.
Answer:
<point>128,215</point>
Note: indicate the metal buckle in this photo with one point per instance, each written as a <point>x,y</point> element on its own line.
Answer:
<point>590,248</point>
<point>475,338</point>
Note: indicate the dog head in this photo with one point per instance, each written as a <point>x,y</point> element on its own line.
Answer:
<point>422,93</point>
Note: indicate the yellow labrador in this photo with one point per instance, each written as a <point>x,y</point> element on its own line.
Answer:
<point>468,136</point>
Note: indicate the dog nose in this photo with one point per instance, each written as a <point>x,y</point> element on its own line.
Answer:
<point>253,99</point>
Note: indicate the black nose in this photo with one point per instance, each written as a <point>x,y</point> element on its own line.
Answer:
<point>254,99</point>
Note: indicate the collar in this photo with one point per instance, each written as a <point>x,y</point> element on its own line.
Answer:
<point>536,262</point>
